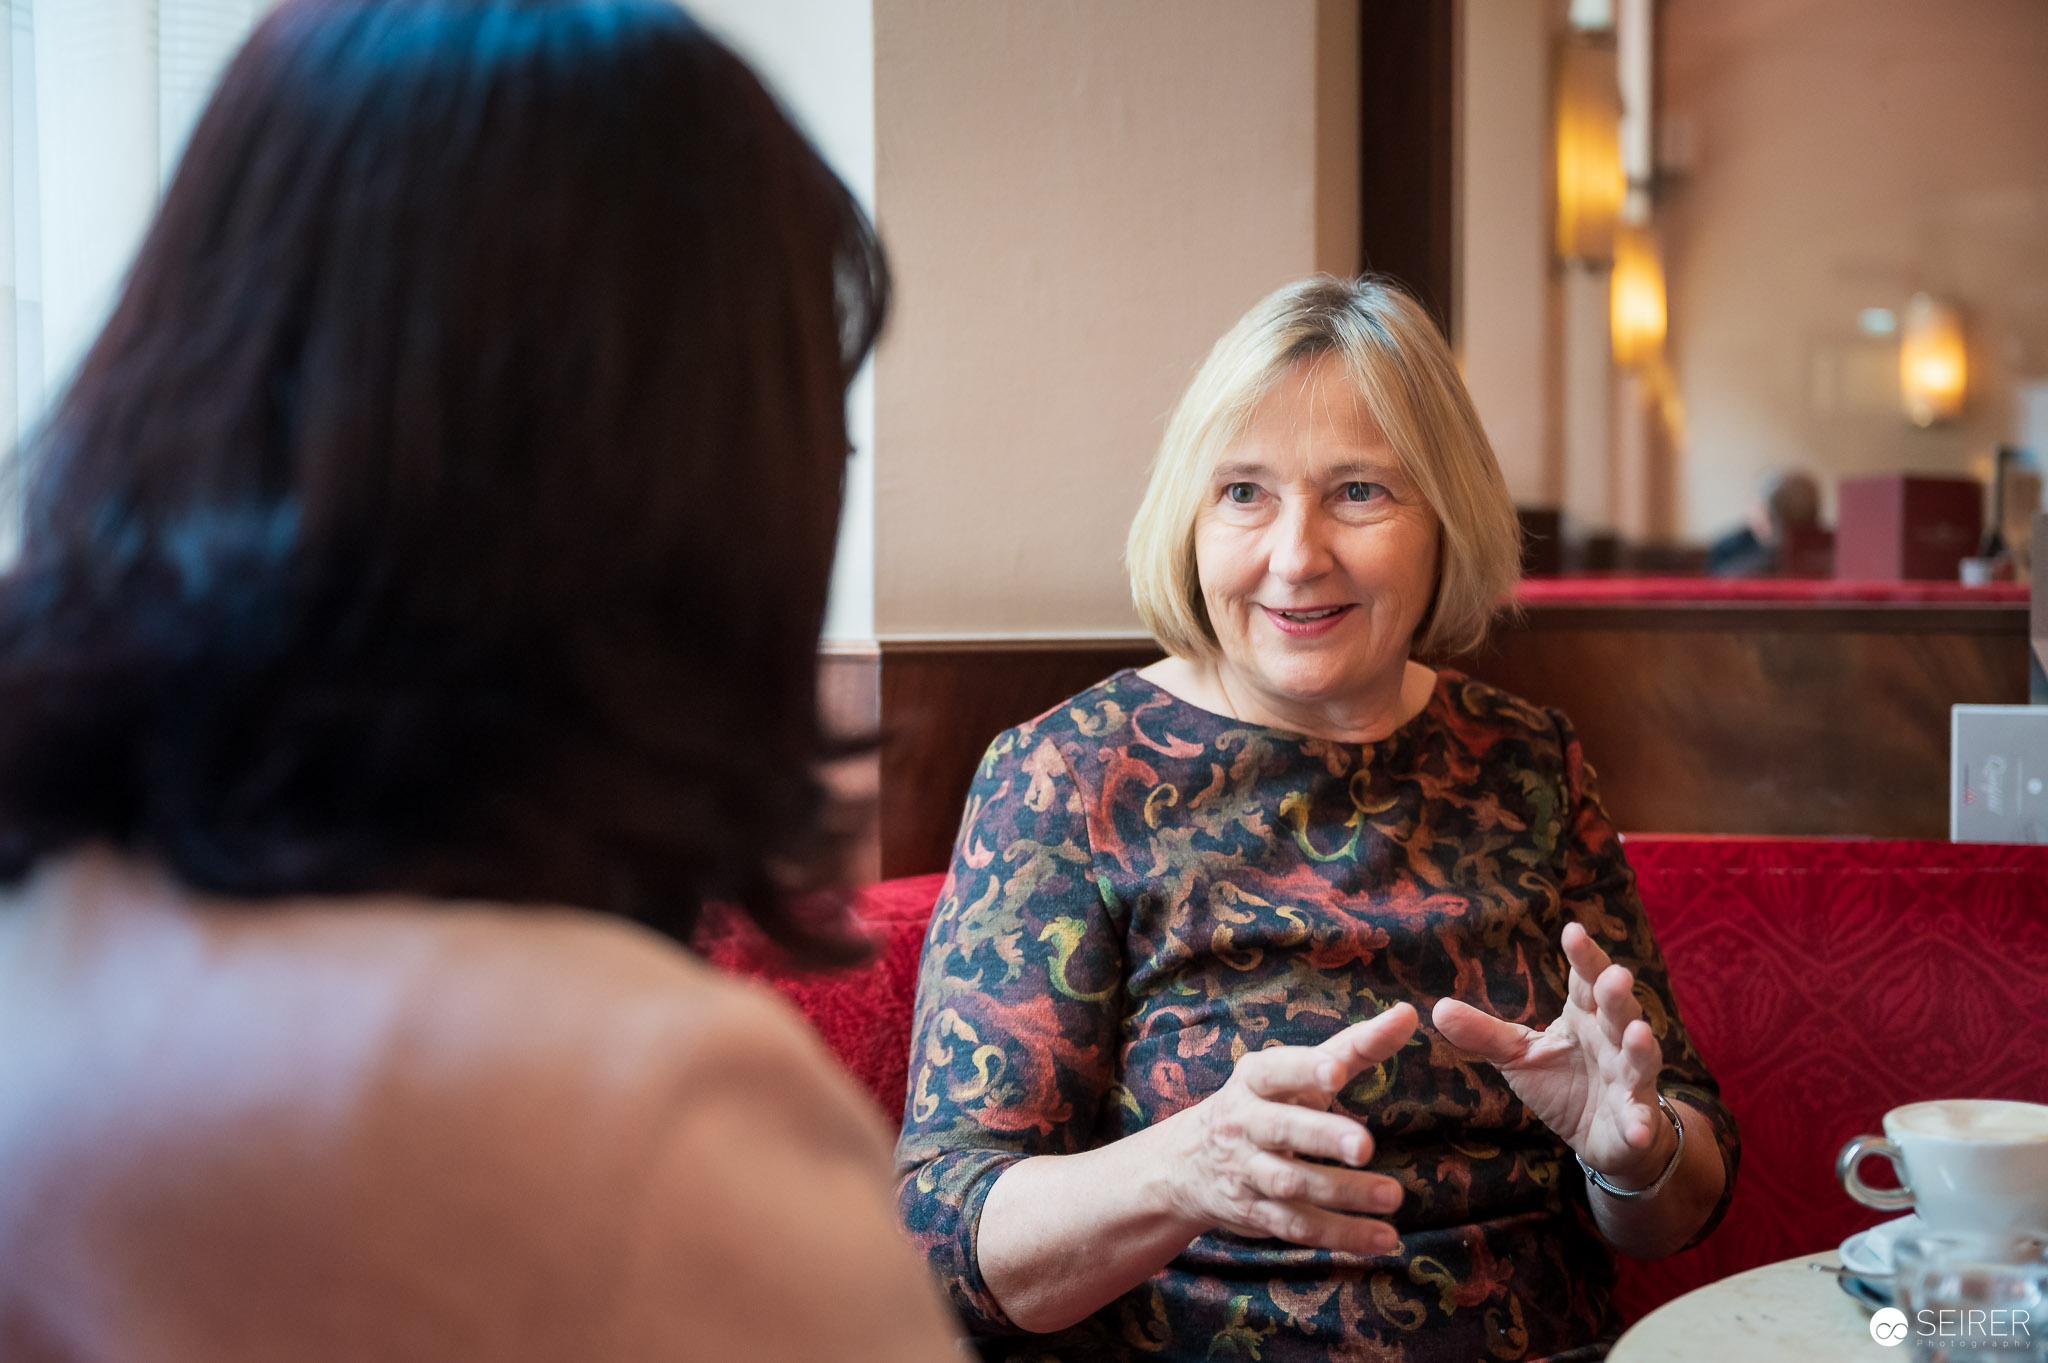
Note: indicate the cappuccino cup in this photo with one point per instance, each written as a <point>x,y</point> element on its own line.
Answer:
<point>1964,1164</point>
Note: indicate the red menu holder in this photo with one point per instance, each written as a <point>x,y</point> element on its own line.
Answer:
<point>1900,526</point>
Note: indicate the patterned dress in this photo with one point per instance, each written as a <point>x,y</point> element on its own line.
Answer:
<point>1143,890</point>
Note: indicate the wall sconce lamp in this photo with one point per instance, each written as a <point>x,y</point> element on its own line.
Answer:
<point>1590,180</point>
<point>1635,301</point>
<point>1933,373</point>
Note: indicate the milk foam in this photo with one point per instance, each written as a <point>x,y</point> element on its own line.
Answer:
<point>1974,1119</point>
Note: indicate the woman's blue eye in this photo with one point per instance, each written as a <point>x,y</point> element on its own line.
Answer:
<point>1240,492</point>
<point>1360,492</point>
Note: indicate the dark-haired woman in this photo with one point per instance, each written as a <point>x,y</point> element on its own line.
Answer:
<point>415,624</point>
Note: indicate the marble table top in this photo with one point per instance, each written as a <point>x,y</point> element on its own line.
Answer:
<point>1775,1314</point>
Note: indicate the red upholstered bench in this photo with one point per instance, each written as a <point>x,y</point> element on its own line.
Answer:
<point>1824,981</point>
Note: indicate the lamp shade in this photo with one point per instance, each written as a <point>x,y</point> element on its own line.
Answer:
<point>1590,180</point>
<point>1933,371</point>
<point>1636,297</point>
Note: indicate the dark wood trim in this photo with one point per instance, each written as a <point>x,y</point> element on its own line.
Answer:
<point>943,700</point>
<point>2004,618</point>
<point>1779,721</point>
<point>953,646</point>
<point>1407,89</point>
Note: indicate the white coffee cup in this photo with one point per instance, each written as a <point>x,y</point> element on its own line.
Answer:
<point>1964,1164</point>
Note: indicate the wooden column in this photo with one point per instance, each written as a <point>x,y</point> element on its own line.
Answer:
<point>1407,153</point>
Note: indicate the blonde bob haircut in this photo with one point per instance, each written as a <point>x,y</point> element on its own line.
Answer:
<point>1403,372</point>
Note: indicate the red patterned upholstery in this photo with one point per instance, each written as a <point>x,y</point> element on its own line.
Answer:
<point>1824,981</point>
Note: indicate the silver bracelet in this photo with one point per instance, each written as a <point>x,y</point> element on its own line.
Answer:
<point>1599,1180</point>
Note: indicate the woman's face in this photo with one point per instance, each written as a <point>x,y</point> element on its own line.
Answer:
<point>1316,554</point>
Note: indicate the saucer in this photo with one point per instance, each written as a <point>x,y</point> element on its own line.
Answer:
<point>1867,1257</point>
<point>1868,1253</point>
<point>1872,1294</point>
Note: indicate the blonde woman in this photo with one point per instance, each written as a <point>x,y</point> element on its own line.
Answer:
<point>1290,998</point>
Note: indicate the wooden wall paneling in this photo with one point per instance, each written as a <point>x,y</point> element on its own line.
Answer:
<point>1779,720</point>
<point>941,704</point>
<point>1747,719</point>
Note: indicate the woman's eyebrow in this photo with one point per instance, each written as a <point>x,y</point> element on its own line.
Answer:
<point>1359,468</point>
<point>1239,468</point>
<point>1350,469</point>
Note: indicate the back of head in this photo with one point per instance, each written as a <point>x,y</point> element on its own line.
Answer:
<point>1791,499</point>
<point>448,504</point>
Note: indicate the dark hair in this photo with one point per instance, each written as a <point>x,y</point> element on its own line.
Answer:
<point>448,505</point>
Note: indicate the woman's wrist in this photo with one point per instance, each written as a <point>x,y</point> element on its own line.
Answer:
<point>1173,1149</point>
<point>1061,1236</point>
<point>1645,1176</point>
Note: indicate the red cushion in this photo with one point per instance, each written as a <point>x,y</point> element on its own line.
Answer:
<point>1824,981</point>
<point>864,1013</point>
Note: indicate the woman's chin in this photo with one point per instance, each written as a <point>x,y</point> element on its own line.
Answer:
<point>1324,682</point>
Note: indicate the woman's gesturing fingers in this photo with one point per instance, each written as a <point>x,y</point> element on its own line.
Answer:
<point>1614,999</point>
<point>1301,1223</point>
<point>1315,1074</point>
<point>1250,1168</point>
<point>1494,1039</point>
<point>1303,1131</point>
<point>1290,1074</point>
<point>1585,957</point>
<point>1364,1044</point>
<point>1279,1179</point>
<point>1641,1059</point>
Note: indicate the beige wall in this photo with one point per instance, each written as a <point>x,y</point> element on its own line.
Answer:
<point>818,56</point>
<point>1078,198</point>
<point>1504,271</point>
<point>1846,153</point>
<point>1338,202</point>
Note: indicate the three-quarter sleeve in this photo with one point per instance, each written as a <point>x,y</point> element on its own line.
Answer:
<point>1599,891</point>
<point>1019,1002</point>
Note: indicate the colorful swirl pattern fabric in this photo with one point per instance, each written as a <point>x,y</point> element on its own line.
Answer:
<point>1143,890</point>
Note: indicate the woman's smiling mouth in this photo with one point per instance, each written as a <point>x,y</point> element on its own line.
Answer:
<point>1307,622</point>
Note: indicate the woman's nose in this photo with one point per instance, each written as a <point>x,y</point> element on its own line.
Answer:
<point>1297,551</point>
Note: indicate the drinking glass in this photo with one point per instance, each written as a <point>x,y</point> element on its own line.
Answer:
<point>1976,1297</point>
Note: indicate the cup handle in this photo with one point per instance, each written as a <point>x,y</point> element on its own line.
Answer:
<point>1884,1199</point>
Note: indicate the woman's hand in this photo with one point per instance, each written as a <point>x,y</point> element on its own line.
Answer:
<point>1591,1075</point>
<point>1240,1165</point>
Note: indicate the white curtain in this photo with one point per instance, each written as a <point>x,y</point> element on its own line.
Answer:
<point>100,96</point>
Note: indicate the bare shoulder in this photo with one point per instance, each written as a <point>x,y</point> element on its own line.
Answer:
<point>610,1004</point>
<point>699,1131</point>
<point>530,1125</point>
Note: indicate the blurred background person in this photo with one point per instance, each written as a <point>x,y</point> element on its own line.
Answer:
<point>1782,534</point>
<point>415,625</point>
